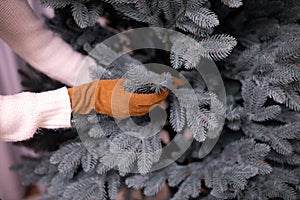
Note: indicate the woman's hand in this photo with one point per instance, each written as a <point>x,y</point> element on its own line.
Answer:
<point>109,97</point>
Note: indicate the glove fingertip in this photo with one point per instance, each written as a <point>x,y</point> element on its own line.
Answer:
<point>164,93</point>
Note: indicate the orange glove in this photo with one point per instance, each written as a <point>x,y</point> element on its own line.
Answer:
<point>109,97</point>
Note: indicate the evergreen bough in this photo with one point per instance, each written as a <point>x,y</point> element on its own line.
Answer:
<point>257,155</point>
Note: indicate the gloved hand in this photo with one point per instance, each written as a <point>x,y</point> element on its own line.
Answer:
<point>109,97</point>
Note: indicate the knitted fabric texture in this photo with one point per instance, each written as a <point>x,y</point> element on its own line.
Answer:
<point>21,114</point>
<point>27,36</point>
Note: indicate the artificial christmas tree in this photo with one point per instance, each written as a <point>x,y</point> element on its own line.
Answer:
<point>257,155</point>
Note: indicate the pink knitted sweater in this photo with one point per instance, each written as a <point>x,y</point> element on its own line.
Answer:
<point>22,114</point>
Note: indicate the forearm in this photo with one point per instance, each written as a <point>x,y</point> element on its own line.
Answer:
<point>22,114</point>
<point>40,47</point>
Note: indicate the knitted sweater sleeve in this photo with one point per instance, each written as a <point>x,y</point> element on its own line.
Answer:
<point>27,36</point>
<point>21,114</point>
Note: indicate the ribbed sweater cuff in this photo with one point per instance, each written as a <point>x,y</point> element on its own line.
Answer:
<point>55,109</point>
<point>21,114</point>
